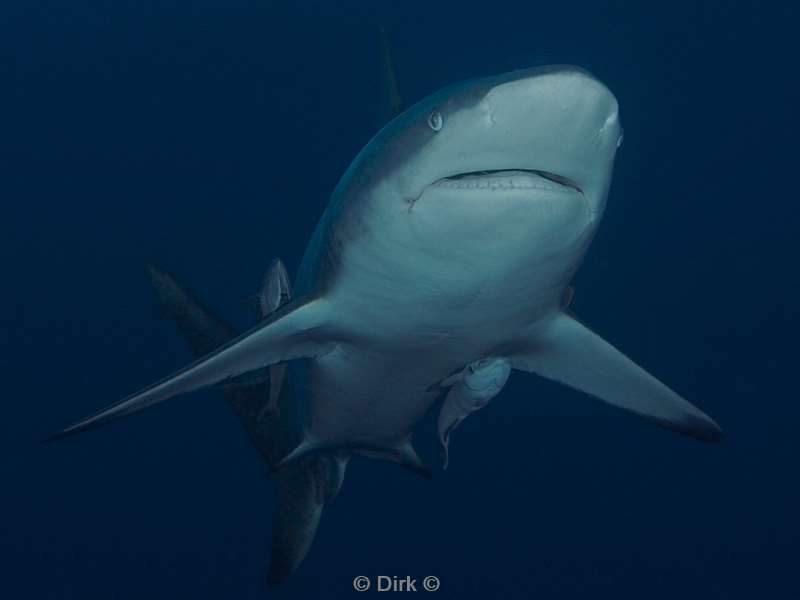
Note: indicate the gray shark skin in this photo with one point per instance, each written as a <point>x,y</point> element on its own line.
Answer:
<point>267,412</point>
<point>450,240</point>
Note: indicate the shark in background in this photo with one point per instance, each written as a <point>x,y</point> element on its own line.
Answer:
<point>439,268</point>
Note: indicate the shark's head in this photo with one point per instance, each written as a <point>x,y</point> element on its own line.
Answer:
<point>556,123</point>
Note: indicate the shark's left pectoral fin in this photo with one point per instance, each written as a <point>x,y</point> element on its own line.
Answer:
<point>295,331</point>
<point>570,353</point>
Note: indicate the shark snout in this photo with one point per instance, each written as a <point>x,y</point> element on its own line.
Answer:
<point>558,119</point>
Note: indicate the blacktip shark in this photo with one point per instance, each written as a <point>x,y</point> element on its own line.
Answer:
<point>440,267</point>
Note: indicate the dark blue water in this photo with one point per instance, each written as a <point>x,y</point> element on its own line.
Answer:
<point>207,136</point>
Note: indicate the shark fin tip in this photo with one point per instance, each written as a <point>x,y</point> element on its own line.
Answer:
<point>61,434</point>
<point>303,449</point>
<point>53,437</point>
<point>711,435</point>
<point>701,429</point>
<point>276,576</point>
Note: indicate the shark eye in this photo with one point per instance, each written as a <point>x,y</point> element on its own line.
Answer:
<point>435,121</point>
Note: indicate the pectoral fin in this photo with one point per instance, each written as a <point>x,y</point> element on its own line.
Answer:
<point>402,453</point>
<point>571,354</point>
<point>295,331</point>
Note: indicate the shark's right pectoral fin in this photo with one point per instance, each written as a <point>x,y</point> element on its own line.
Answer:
<point>570,353</point>
<point>295,331</point>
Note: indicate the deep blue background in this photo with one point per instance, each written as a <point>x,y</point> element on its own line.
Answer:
<point>208,135</point>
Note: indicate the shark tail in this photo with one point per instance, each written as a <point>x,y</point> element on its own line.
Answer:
<point>303,488</point>
<point>202,330</point>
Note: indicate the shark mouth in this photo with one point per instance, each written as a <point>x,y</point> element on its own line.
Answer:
<point>509,179</point>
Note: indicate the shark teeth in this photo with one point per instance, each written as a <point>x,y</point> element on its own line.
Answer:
<point>503,180</point>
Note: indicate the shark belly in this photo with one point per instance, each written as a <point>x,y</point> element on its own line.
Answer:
<point>424,290</point>
<point>370,399</point>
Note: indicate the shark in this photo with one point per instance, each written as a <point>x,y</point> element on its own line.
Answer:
<point>438,270</point>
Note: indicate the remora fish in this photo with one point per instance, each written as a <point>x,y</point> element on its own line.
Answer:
<point>448,245</point>
<point>267,411</point>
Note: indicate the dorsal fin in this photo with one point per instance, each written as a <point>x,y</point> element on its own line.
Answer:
<point>394,102</point>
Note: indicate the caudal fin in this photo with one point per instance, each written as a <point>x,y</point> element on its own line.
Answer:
<point>303,490</point>
<point>202,330</point>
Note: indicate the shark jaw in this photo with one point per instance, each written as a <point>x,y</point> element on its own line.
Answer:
<point>509,179</point>
<point>529,208</point>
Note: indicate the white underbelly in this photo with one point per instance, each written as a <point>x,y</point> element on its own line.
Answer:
<point>371,397</point>
<point>374,386</point>
<point>418,295</point>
